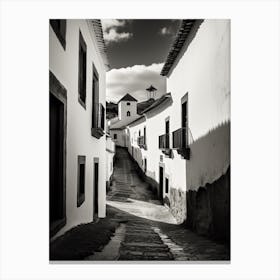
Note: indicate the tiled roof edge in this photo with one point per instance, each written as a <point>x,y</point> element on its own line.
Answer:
<point>179,42</point>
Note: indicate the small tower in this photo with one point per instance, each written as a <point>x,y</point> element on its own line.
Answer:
<point>151,92</point>
<point>127,107</point>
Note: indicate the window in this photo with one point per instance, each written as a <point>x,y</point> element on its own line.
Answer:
<point>98,111</point>
<point>59,28</point>
<point>166,185</point>
<point>145,135</point>
<point>115,136</point>
<point>128,113</point>
<point>167,133</point>
<point>82,70</point>
<point>81,180</point>
<point>128,103</point>
<point>145,166</point>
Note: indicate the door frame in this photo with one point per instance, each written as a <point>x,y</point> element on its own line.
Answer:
<point>59,91</point>
<point>185,100</point>
<point>161,189</point>
<point>95,190</point>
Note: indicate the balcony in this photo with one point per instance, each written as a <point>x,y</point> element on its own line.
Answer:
<point>141,141</point>
<point>164,144</point>
<point>180,142</point>
<point>98,120</point>
<point>110,145</point>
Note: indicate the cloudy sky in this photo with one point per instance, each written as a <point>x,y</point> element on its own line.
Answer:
<point>137,50</point>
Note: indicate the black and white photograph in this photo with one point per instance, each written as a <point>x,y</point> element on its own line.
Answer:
<point>139,139</point>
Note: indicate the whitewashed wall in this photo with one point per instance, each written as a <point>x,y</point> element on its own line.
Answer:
<point>203,70</point>
<point>121,137</point>
<point>210,157</point>
<point>110,153</point>
<point>123,108</point>
<point>175,167</point>
<point>133,134</point>
<point>64,65</point>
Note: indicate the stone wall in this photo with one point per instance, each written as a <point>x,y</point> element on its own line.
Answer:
<point>177,204</point>
<point>208,209</point>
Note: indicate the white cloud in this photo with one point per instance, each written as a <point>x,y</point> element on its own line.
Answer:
<point>112,23</point>
<point>111,30</point>
<point>165,31</point>
<point>134,80</point>
<point>113,36</point>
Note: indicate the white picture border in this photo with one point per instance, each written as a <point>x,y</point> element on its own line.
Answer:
<point>254,138</point>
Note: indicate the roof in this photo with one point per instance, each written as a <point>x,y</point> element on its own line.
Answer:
<point>182,35</point>
<point>132,122</point>
<point>151,88</point>
<point>157,102</point>
<point>122,123</point>
<point>97,27</point>
<point>128,97</point>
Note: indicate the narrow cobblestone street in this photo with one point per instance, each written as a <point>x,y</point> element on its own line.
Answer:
<point>148,231</point>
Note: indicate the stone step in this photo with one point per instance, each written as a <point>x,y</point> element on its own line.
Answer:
<point>144,244</point>
<point>145,257</point>
<point>150,240</point>
<point>140,233</point>
<point>145,249</point>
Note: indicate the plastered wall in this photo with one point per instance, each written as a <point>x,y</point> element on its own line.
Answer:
<point>64,65</point>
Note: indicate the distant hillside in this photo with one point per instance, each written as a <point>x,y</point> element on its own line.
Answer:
<point>141,106</point>
<point>112,108</point>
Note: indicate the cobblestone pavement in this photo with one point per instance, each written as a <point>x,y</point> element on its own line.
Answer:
<point>149,231</point>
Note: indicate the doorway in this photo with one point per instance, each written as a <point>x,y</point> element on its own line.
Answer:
<point>161,178</point>
<point>95,186</point>
<point>57,155</point>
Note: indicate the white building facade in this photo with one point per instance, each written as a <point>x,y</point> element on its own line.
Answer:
<point>127,112</point>
<point>110,154</point>
<point>186,154</point>
<point>77,69</point>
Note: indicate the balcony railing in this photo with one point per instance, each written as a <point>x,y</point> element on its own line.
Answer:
<point>141,141</point>
<point>181,143</point>
<point>164,144</point>
<point>164,141</point>
<point>98,120</point>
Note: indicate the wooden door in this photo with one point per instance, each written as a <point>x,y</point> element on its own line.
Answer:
<point>56,201</point>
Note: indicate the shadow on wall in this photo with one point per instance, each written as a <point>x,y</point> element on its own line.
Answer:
<point>210,157</point>
<point>208,181</point>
